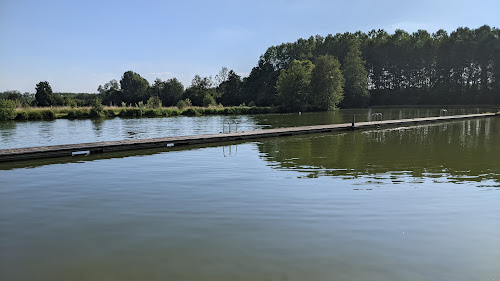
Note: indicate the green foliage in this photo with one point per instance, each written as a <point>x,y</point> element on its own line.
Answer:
<point>378,68</point>
<point>81,99</point>
<point>259,86</point>
<point>170,91</point>
<point>22,100</point>
<point>111,93</point>
<point>44,95</point>
<point>401,68</point>
<point>208,100</point>
<point>71,103</point>
<point>23,115</point>
<point>129,112</point>
<point>35,115</point>
<point>78,113</point>
<point>293,85</point>
<point>171,112</point>
<point>74,113</point>
<point>141,112</point>
<point>191,112</point>
<point>113,97</point>
<point>356,77</point>
<point>109,113</point>
<point>97,109</point>
<point>181,104</point>
<point>199,89</point>
<point>184,103</point>
<point>7,109</point>
<point>58,100</point>
<point>48,114</point>
<point>231,89</point>
<point>153,112</point>
<point>133,87</point>
<point>304,86</point>
<point>11,95</point>
<point>327,84</point>
<point>153,102</point>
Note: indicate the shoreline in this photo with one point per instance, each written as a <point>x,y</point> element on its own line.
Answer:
<point>41,113</point>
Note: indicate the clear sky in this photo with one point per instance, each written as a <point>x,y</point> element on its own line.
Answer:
<point>79,45</point>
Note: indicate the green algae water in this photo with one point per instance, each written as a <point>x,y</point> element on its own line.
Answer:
<point>411,203</point>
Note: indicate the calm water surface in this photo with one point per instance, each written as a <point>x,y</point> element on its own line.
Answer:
<point>416,203</point>
<point>14,134</point>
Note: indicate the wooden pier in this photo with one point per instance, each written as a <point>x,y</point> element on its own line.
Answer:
<point>29,153</point>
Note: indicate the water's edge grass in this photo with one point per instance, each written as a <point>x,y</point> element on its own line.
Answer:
<point>40,113</point>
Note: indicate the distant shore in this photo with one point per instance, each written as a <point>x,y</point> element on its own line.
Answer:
<point>50,113</point>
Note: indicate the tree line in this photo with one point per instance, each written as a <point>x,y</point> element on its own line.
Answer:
<point>462,67</point>
<point>320,73</point>
<point>46,97</point>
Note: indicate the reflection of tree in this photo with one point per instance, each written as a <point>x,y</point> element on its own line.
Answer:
<point>465,150</point>
<point>97,127</point>
<point>7,131</point>
<point>362,115</point>
<point>304,119</point>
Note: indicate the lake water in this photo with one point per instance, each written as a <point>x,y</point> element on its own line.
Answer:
<point>415,203</point>
<point>15,134</point>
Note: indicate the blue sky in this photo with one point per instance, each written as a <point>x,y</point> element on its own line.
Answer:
<point>79,45</point>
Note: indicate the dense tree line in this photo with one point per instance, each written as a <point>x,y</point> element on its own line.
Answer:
<point>401,68</point>
<point>22,100</point>
<point>133,89</point>
<point>320,73</point>
<point>44,96</point>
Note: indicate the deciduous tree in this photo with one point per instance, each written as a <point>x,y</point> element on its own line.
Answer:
<point>327,83</point>
<point>200,87</point>
<point>232,90</point>
<point>356,78</point>
<point>293,85</point>
<point>134,87</point>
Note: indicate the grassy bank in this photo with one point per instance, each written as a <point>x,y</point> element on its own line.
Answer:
<point>40,113</point>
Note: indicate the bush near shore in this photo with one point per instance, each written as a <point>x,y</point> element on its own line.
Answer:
<point>44,113</point>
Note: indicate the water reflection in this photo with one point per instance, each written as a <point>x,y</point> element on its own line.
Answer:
<point>63,131</point>
<point>360,115</point>
<point>462,151</point>
<point>46,130</point>
<point>230,150</point>
<point>454,152</point>
<point>7,131</point>
<point>97,127</point>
